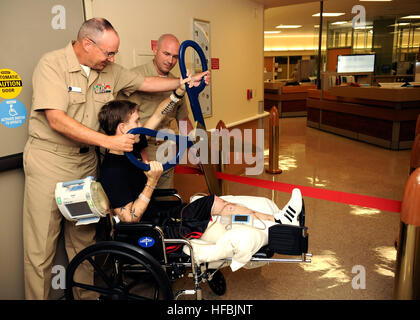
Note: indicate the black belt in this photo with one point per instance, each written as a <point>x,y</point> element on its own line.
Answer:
<point>84,150</point>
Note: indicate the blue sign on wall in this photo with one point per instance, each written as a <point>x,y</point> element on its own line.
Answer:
<point>12,113</point>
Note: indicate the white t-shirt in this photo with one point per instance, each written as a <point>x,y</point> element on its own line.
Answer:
<point>86,69</point>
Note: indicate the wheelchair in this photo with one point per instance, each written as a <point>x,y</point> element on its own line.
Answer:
<point>136,262</point>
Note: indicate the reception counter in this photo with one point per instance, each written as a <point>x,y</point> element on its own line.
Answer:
<point>289,100</point>
<point>382,116</point>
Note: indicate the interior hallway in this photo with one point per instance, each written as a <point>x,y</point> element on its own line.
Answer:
<point>340,236</point>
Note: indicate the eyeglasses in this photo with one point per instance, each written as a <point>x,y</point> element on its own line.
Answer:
<point>106,53</point>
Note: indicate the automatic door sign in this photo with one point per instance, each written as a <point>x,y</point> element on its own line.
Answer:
<point>10,84</point>
<point>146,242</point>
<point>12,113</point>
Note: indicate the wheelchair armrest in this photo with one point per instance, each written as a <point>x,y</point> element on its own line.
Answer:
<point>161,193</point>
<point>130,226</point>
<point>164,192</point>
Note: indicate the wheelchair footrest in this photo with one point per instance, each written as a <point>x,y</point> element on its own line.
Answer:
<point>288,239</point>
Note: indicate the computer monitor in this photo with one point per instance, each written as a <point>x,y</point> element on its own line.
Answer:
<point>356,63</point>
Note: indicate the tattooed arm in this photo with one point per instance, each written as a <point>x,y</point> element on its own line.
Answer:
<point>166,106</point>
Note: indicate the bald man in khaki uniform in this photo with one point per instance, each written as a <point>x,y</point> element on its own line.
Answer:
<point>70,86</point>
<point>165,59</point>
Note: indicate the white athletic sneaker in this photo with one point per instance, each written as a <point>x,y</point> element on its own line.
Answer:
<point>290,213</point>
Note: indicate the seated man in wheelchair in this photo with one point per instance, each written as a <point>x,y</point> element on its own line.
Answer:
<point>129,188</point>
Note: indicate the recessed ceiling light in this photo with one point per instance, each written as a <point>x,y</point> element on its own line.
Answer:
<point>411,17</point>
<point>375,0</point>
<point>288,26</point>
<point>329,14</point>
<point>339,22</point>
<point>271,32</point>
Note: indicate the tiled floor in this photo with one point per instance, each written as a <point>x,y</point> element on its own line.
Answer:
<point>346,241</point>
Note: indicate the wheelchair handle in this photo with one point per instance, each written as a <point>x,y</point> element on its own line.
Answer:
<point>193,92</point>
<point>167,136</point>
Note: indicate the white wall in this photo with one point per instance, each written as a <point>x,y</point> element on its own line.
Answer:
<point>236,35</point>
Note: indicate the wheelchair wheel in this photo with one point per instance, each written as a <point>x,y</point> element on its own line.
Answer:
<point>218,283</point>
<point>122,272</point>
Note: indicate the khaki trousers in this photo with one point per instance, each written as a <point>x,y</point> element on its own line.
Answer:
<point>45,164</point>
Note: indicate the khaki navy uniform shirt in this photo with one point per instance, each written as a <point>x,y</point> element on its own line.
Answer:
<point>148,101</point>
<point>60,83</point>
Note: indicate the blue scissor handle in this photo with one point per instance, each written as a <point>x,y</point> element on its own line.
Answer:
<point>194,91</point>
<point>167,136</point>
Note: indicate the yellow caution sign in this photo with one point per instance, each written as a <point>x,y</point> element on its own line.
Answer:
<point>10,84</point>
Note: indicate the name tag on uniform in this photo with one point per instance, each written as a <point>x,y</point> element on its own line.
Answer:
<point>75,89</point>
<point>102,88</point>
